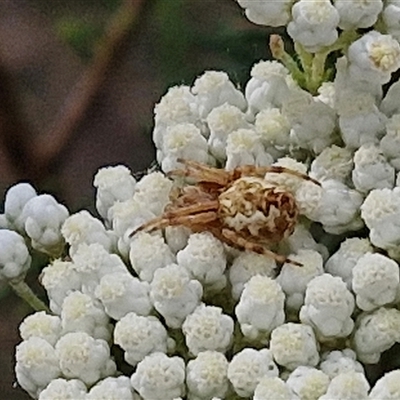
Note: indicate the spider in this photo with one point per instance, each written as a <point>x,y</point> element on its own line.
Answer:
<point>238,207</point>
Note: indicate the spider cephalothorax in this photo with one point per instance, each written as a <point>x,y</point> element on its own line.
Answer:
<point>239,207</point>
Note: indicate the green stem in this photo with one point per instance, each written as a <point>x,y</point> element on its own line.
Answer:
<point>276,46</point>
<point>26,293</point>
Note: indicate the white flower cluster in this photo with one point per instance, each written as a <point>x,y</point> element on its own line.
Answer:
<point>175,314</point>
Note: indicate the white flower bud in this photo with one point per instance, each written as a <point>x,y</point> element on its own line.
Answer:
<point>182,141</point>
<point>387,387</point>
<point>222,121</point>
<point>246,265</point>
<point>60,388</point>
<point>268,86</point>
<point>261,308</point>
<point>333,163</point>
<point>294,280</point>
<point>148,253</point>
<point>121,293</point>
<point>375,281</point>
<point>371,169</point>
<point>293,345</point>
<point>358,13</point>
<point>84,357</point>
<point>248,367</point>
<point>82,228</point>
<point>312,121</point>
<point>314,24</point>
<point>360,120</point>
<point>328,306</point>
<point>375,333</point>
<point>205,260</point>
<point>59,278</point>
<point>16,198</point>
<point>207,328</point>
<point>333,204</point>
<point>381,213</point>
<point>140,336</point>
<point>343,261</point>
<point>92,262</point>
<point>214,89</point>
<point>174,294</point>
<point>374,56</point>
<point>244,147</point>
<point>347,386</point>
<point>177,106</point>
<point>206,376</point>
<point>112,389</point>
<point>273,127</point>
<point>43,218</point>
<point>15,259</point>
<point>338,362</point>
<point>113,184</point>
<point>37,365</point>
<point>308,383</point>
<point>81,313</point>
<point>42,325</point>
<point>270,13</point>
<point>273,388</point>
<point>159,377</point>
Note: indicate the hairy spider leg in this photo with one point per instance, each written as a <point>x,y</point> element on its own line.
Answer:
<point>240,242</point>
<point>171,216</point>
<point>248,170</point>
<point>201,172</point>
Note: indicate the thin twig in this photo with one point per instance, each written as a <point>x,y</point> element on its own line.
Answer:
<point>50,144</point>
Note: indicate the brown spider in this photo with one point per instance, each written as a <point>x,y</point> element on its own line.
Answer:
<point>238,207</point>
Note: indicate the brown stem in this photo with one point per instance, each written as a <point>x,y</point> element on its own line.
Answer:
<point>50,144</point>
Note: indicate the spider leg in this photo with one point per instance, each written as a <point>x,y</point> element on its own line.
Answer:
<point>174,217</point>
<point>201,172</point>
<point>261,171</point>
<point>238,241</point>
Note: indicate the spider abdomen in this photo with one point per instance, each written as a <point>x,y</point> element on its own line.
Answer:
<point>251,206</point>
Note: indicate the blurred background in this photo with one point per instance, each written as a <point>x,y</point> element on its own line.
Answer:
<point>78,83</point>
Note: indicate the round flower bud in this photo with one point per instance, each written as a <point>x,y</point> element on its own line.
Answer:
<point>308,383</point>
<point>293,345</point>
<point>375,333</point>
<point>273,388</point>
<point>338,362</point>
<point>84,357</point>
<point>206,375</point>
<point>60,388</point>
<point>174,294</point>
<point>42,325</point>
<point>140,336</point>
<point>248,367</point>
<point>328,306</point>
<point>121,293</point>
<point>112,388</point>
<point>113,184</point>
<point>261,307</point>
<point>37,365</point>
<point>15,259</point>
<point>375,281</point>
<point>208,329</point>
<point>16,198</point>
<point>159,377</point>
<point>387,387</point>
<point>348,386</point>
